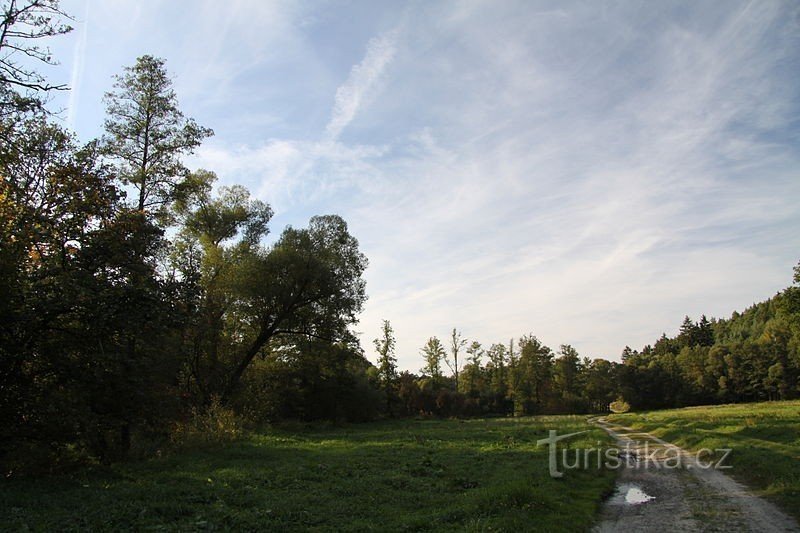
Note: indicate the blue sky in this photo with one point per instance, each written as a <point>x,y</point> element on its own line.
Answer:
<point>588,172</point>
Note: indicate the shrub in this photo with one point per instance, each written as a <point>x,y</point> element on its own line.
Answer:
<point>213,424</point>
<point>620,406</point>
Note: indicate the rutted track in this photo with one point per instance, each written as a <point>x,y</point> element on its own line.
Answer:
<point>691,497</point>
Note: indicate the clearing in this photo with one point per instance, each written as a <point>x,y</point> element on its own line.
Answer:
<point>414,475</point>
<point>442,475</point>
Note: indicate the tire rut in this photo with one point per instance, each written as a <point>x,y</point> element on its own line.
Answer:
<point>686,494</point>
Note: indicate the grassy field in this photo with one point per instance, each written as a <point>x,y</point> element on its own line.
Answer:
<point>764,437</point>
<point>475,475</point>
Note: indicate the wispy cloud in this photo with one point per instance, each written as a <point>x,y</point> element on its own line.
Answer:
<point>589,174</point>
<point>288,170</point>
<point>290,173</point>
<point>78,59</point>
<point>354,93</point>
<point>583,207</point>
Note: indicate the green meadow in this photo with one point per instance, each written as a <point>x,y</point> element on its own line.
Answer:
<point>408,475</point>
<point>764,439</point>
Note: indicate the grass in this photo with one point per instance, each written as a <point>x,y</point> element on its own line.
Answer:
<point>435,475</point>
<point>764,437</point>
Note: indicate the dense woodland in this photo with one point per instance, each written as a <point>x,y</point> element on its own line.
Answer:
<point>139,301</point>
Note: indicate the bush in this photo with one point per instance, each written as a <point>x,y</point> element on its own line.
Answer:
<point>620,406</point>
<point>213,424</point>
<point>40,458</point>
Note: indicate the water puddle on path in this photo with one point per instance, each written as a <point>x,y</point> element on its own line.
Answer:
<point>630,494</point>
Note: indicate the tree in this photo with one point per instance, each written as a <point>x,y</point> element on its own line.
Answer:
<point>472,373</point>
<point>387,362</point>
<point>476,352</point>
<point>600,384</point>
<point>497,369</point>
<point>308,283</point>
<point>433,353</point>
<point>310,379</point>
<point>456,343</point>
<point>775,382</point>
<point>533,374</point>
<point>146,134</point>
<point>252,300</point>
<point>22,23</point>
<point>208,259</point>
<point>567,372</point>
<point>705,332</point>
<point>497,356</point>
<point>689,333</point>
<point>49,196</point>
<point>512,354</point>
<point>79,337</point>
<point>217,220</point>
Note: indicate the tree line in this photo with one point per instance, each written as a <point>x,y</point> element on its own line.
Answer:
<point>751,356</point>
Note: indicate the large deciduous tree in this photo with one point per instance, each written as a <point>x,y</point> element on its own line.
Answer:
<point>249,298</point>
<point>308,283</point>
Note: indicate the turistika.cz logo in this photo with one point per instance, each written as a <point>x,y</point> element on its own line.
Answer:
<point>634,454</point>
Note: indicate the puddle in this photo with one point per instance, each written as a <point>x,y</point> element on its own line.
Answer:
<point>630,494</point>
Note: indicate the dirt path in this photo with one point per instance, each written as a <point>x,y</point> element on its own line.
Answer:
<point>653,494</point>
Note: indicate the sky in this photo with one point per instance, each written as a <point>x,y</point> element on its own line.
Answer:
<point>587,172</point>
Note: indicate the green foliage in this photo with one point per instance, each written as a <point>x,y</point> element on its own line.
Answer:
<point>113,327</point>
<point>214,221</point>
<point>620,406</point>
<point>433,353</point>
<point>252,300</point>
<point>82,311</point>
<point>753,355</point>
<point>531,377</point>
<point>387,363</point>
<point>146,133</point>
<point>212,424</point>
<point>311,380</point>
